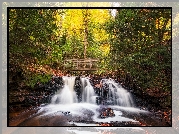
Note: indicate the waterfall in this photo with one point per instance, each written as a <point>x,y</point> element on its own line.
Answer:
<point>111,92</point>
<point>117,93</point>
<point>67,95</point>
<point>88,94</point>
<point>84,102</point>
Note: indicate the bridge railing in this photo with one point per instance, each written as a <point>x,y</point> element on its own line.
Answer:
<point>80,64</point>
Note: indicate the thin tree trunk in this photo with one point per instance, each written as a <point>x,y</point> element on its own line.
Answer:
<point>85,31</point>
<point>85,44</point>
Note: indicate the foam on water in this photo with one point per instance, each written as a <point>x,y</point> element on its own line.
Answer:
<point>129,109</point>
<point>65,100</point>
<point>76,109</point>
<point>79,109</point>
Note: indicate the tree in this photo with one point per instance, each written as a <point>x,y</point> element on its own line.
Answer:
<point>85,32</point>
<point>41,38</point>
<point>31,39</point>
<point>140,45</point>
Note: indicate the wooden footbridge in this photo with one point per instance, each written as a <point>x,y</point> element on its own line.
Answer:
<point>81,64</point>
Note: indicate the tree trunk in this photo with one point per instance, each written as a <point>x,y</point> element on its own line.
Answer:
<point>85,43</point>
<point>85,31</point>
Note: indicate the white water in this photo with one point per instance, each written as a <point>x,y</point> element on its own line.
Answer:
<point>79,110</point>
<point>66,100</point>
<point>67,95</point>
<point>118,94</point>
<point>88,94</point>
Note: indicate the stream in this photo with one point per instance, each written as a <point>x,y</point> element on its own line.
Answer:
<point>79,101</point>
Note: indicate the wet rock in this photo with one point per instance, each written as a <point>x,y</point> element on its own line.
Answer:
<point>66,113</point>
<point>106,112</point>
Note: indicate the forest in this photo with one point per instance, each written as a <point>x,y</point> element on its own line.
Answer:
<point>132,44</point>
<point>135,42</point>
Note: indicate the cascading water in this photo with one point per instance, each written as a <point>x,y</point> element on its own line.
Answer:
<point>111,91</point>
<point>88,94</point>
<point>79,101</point>
<point>67,95</point>
<point>117,94</point>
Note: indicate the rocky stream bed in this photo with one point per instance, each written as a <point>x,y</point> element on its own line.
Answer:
<point>25,103</point>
